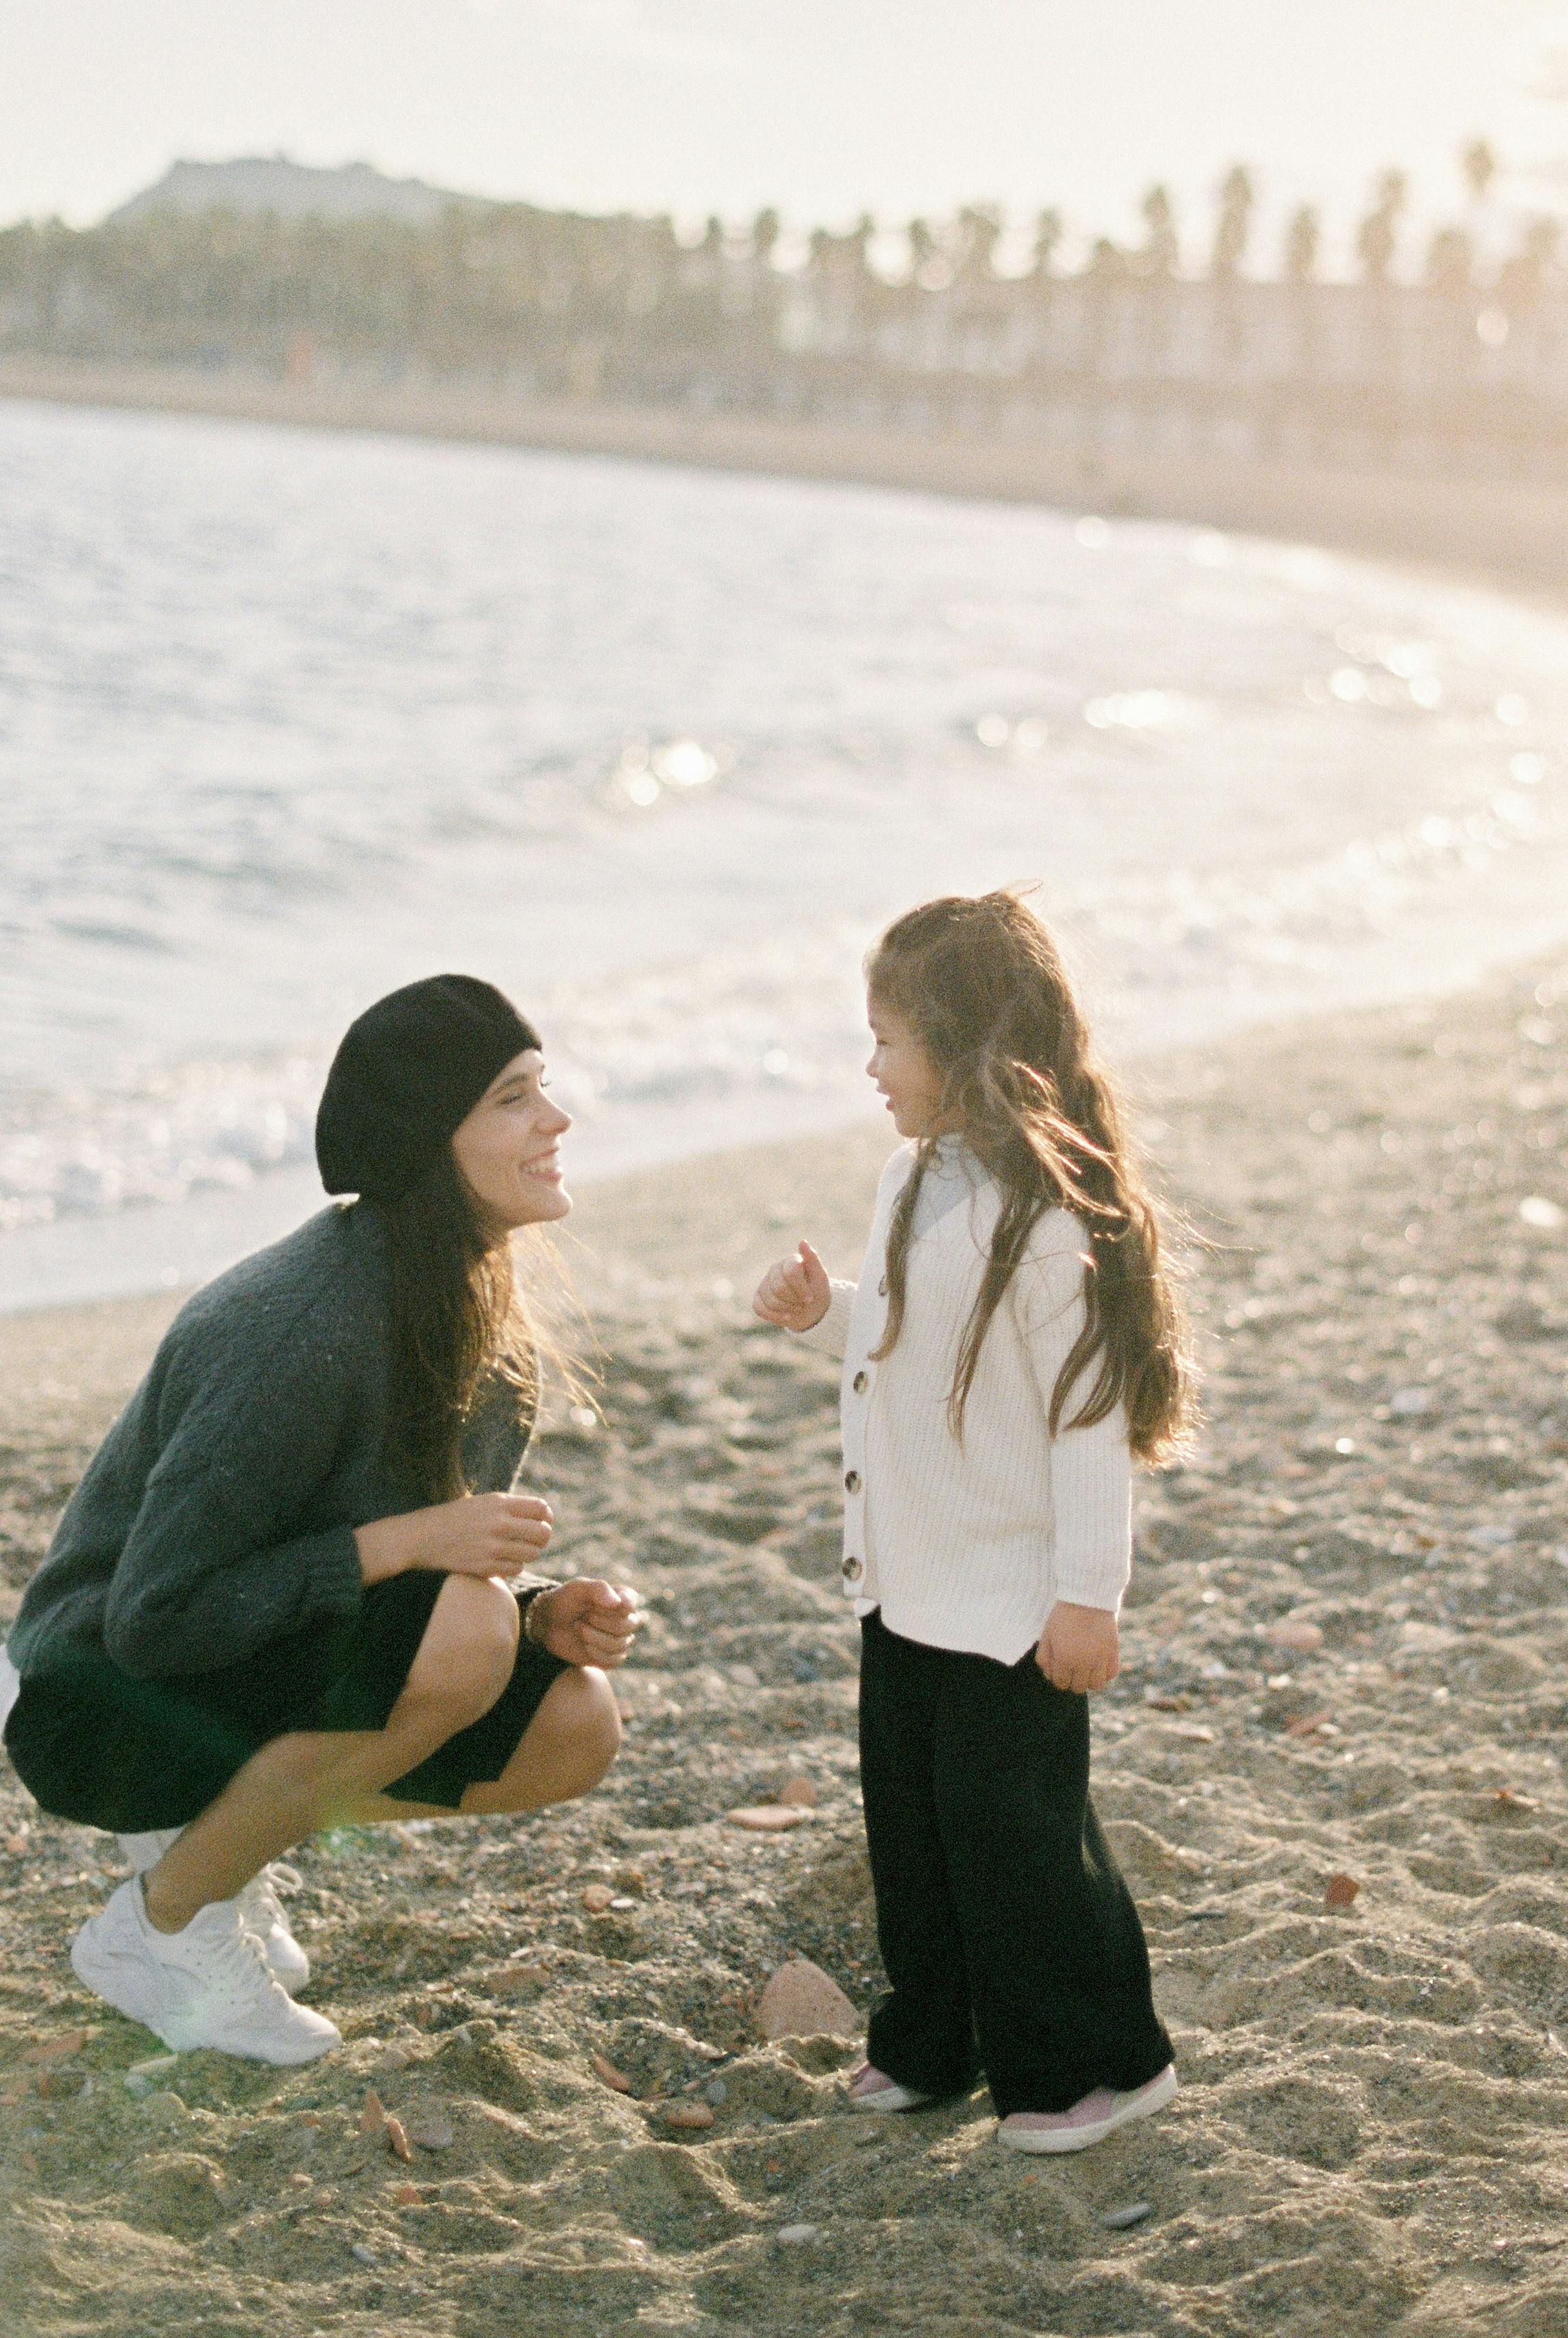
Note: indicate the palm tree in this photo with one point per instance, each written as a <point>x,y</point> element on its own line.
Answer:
<point>1376,238</point>
<point>1478,168</point>
<point>1237,197</point>
<point>1047,236</point>
<point>1160,252</point>
<point>1303,239</point>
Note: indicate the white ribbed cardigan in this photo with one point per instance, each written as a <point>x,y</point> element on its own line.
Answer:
<point>969,1546</point>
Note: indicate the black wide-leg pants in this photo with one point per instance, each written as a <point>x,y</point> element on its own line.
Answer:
<point>1008,1935</point>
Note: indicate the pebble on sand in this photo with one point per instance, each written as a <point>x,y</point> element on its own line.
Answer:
<point>688,2115</point>
<point>796,2236</point>
<point>515,1976</point>
<point>146,2077</point>
<point>798,1793</point>
<point>801,2000</point>
<point>431,2130</point>
<point>767,1818</point>
<point>373,2117</point>
<point>610,2075</point>
<point>52,2049</point>
<point>1120,2220</point>
<point>1341,1891</point>
<point>597,1897</point>
<point>1296,1631</point>
<point>397,2142</point>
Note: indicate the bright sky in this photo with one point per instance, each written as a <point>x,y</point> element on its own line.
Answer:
<point>822,107</point>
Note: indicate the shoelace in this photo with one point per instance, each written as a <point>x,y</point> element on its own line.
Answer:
<point>239,1963</point>
<point>259,1897</point>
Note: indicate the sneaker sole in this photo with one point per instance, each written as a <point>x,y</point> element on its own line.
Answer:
<point>188,2038</point>
<point>1143,2105</point>
<point>890,2098</point>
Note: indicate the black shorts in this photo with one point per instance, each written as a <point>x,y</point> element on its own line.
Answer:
<point>90,1743</point>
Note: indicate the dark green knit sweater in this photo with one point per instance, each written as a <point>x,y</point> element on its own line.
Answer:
<point>219,1513</point>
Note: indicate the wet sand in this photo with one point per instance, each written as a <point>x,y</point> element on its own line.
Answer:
<point>1343,1656</point>
<point>1484,525</point>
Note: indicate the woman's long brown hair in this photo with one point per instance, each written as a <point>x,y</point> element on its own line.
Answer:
<point>980,983</point>
<point>457,1320</point>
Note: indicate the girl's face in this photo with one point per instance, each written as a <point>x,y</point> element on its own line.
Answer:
<point>904,1074</point>
<point>508,1150</point>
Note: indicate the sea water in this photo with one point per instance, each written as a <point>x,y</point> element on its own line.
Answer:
<point>289,718</point>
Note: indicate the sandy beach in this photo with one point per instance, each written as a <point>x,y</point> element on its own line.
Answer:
<point>1330,1766</point>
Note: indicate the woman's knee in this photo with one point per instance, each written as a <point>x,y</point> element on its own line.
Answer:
<point>601,1727</point>
<point>584,1718</point>
<point>469,1648</point>
<point>581,1726</point>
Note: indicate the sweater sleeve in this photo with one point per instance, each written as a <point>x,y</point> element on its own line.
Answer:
<point>215,1566</point>
<point>1091,1468</point>
<point>831,1333</point>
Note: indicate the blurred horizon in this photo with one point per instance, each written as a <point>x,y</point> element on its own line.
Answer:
<point>691,107</point>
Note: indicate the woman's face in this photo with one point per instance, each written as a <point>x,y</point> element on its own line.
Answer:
<point>904,1074</point>
<point>508,1149</point>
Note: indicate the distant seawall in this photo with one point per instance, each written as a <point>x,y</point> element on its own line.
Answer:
<point>1502,529</point>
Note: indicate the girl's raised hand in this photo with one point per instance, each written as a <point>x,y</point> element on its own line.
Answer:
<point>795,1292</point>
<point>1080,1648</point>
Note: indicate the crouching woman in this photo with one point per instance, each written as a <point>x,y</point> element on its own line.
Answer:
<point>294,1588</point>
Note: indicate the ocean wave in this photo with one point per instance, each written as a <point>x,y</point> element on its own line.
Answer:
<point>662,763</point>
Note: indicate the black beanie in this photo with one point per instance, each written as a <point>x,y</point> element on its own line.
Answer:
<point>410,1070</point>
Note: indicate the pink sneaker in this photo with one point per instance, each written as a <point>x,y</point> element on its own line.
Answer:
<point>1089,2121</point>
<point>873,2090</point>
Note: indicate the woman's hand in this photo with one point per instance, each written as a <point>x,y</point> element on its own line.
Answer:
<point>586,1622</point>
<point>794,1294</point>
<point>1080,1648</point>
<point>480,1534</point>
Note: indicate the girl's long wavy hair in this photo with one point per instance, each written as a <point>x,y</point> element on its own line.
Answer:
<point>981,985</point>
<point>459,1323</point>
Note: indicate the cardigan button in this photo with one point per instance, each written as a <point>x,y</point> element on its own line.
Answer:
<point>852,1482</point>
<point>852,1570</point>
<point>860,1383</point>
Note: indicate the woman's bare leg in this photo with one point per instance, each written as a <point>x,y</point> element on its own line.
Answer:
<point>318,1778</point>
<point>565,1751</point>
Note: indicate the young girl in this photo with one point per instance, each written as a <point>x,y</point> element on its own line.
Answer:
<point>291,1588</point>
<point>1012,1345</point>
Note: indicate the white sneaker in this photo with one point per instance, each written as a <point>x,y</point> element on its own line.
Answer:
<point>258,1904</point>
<point>262,1911</point>
<point>209,1985</point>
